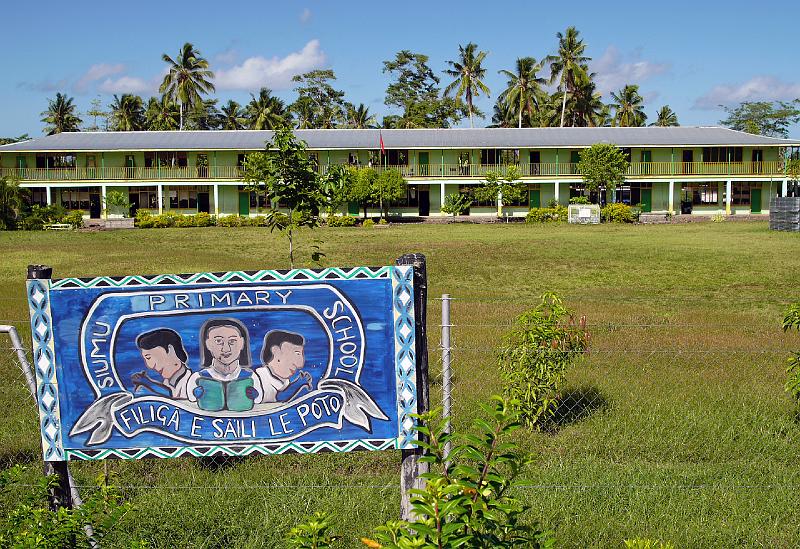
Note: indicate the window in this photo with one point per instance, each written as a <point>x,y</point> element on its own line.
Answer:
<point>395,157</point>
<point>702,194</point>
<point>631,194</point>
<point>143,197</point>
<point>574,158</point>
<point>165,159</point>
<point>39,196</point>
<point>76,198</point>
<point>240,160</point>
<point>499,156</point>
<point>184,197</point>
<point>352,159</point>
<point>467,189</point>
<point>55,161</point>
<point>741,193</point>
<point>410,200</point>
<point>722,154</point>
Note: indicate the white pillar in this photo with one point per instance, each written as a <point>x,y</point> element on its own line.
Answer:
<point>785,187</point>
<point>671,197</point>
<point>728,193</point>
<point>49,190</point>
<point>103,203</point>
<point>160,190</point>
<point>555,187</point>
<point>216,199</point>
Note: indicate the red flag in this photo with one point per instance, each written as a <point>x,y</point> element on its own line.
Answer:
<point>383,149</point>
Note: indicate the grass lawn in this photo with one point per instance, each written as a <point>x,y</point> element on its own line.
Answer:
<point>678,425</point>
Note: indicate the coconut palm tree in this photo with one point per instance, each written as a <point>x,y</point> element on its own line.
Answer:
<point>127,113</point>
<point>266,112</point>
<point>628,107</point>
<point>204,115</point>
<point>234,116</point>
<point>360,117</point>
<point>61,115</point>
<point>162,114</point>
<point>188,78</point>
<point>468,74</point>
<point>666,117</point>
<point>569,65</point>
<point>503,115</point>
<point>524,88</point>
<point>587,107</point>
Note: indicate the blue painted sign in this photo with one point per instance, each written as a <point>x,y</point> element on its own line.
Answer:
<point>233,363</point>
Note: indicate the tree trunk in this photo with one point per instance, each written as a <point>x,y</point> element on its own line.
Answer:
<point>564,104</point>
<point>291,240</point>
<point>180,110</point>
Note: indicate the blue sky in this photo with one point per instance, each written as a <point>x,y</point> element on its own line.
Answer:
<point>690,55</point>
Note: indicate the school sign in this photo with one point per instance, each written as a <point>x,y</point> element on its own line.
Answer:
<point>229,363</point>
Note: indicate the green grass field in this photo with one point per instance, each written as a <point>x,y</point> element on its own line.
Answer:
<point>679,427</point>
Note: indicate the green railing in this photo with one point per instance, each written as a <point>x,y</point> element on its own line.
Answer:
<point>412,171</point>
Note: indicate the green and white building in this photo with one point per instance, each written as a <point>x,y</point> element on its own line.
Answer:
<point>697,170</point>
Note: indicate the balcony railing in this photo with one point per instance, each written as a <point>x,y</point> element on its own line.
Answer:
<point>414,171</point>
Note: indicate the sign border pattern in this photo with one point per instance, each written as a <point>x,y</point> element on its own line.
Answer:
<point>47,387</point>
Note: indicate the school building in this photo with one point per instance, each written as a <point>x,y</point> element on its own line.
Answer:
<point>682,170</point>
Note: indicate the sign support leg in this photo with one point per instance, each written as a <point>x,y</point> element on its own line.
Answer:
<point>411,468</point>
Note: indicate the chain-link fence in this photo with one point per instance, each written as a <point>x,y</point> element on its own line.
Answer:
<point>676,428</point>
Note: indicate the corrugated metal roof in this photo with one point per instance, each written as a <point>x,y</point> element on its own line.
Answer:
<point>454,138</point>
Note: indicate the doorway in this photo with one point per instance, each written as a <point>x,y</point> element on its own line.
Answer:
<point>755,200</point>
<point>534,199</point>
<point>424,196</point>
<point>758,160</point>
<point>647,200</point>
<point>244,204</point>
<point>688,161</point>
<point>94,205</point>
<point>424,160</point>
<point>203,204</point>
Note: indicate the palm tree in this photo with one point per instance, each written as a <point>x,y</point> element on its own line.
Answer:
<point>628,107</point>
<point>569,65</point>
<point>127,113</point>
<point>523,90</point>
<point>187,79</point>
<point>205,115</point>
<point>266,112</point>
<point>503,115</point>
<point>61,116</point>
<point>588,109</point>
<point>234,116</point>
<point>303,112</point>
<point>162,114</point>
<point>359,117</point>
<point>666,117</point>
<point>468,74</point>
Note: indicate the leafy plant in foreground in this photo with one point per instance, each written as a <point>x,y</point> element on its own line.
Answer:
<point>314,533</point>
<point>792,321</point>
<point>467,500</point>
<point>535,355</point>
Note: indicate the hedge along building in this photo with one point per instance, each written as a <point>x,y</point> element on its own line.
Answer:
<point>677,169</point>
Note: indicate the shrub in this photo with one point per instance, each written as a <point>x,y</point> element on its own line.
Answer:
<point>259,221</point>
<point>313,533</point>
<point>39,216</point>
<point>203,219</point>
<point>185,221</point>
<point>368,223</point>
<point>33,524</point>
<point>535,355</point>
<point>616,212</point>
<point>144,219</point>
<point>718,217</point>
<point>229,221</point>
<point>545,215</point>
<point>383,221</point>
<point>74,218</point>
<point>579,200</point>
<point>341,221</point>
<point>792,321</point>
<point>552,203</point>
<point>468,501</point>
<point>456,204</point>
<point>164,220</point>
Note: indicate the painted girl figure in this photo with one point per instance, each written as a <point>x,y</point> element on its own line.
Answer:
<point>226,380</point>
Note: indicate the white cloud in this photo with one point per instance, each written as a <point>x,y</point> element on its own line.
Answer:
<point>275,72</point>
<point>305,16</point>
<point>128,84</point>
<point>97,72</point>
<point>758,88</point>
<point>615,70</point>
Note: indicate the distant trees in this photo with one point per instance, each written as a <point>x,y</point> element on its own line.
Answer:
<point>763,117</point>
<point>265,111</point>
<point>187,80</point>
<point>61,115</point>
<point>523,93</point>
<point>666,117</point>
<point>468,74</point>
<point>415,91</point>
<point>628,106</point>
<point>162,114</point>
<point>319,104</point>
<point>234,117</point>
<point>127,113</point>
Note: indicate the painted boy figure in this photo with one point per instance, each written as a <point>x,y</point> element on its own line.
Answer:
<point>226,381</point>
<point>163,352</point>
<point>282,355</point>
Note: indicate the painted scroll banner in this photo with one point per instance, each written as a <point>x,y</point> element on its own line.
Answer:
<point>232,363</point>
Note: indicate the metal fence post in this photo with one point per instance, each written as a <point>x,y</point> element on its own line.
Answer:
<point>446,373</point>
